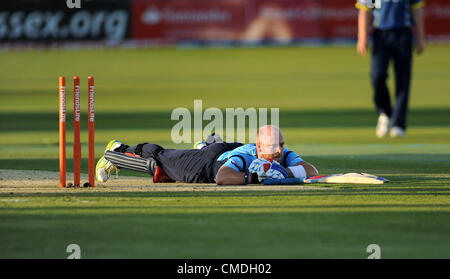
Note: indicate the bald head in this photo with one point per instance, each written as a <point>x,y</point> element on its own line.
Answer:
<point>269,142</point>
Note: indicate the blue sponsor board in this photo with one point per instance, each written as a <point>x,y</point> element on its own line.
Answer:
<point>49,21</point>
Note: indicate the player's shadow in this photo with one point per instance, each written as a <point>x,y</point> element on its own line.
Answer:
<point>395,164</point>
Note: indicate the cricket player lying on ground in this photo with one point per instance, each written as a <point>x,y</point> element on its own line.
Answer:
<point>218,162</point>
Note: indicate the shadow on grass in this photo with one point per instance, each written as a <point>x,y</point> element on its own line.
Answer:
<point>41,121</point>
<point>333,190</point>
<point>324,207</point>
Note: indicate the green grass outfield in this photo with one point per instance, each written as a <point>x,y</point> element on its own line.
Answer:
<point>327,116</point>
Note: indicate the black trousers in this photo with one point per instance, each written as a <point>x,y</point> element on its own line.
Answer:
<point>187,165</point>
<point>395,44</point>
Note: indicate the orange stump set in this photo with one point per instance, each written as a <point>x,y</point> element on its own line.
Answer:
<point>76,127</point>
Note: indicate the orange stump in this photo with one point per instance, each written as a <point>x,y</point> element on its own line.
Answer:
<point>62,131</point>
<point>91,110</point>
<point>76,131</point>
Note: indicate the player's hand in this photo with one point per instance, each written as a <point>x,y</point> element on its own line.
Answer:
<point>266,169</point>
<point>257,166</point>
<point>361,47</point>
<point>420,46</point>
<point>277,171</point>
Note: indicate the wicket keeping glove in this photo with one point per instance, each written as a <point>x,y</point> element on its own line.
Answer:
<point>266,169</point>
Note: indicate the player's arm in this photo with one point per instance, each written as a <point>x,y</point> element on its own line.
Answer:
<point>233,172</point>
<point>297,167</point>
<point>229,176</point>
<point>364,20</point>
<point>417,14</point>
<point>309,169</point>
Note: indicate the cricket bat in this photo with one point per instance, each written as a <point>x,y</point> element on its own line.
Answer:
<point>343,178</point>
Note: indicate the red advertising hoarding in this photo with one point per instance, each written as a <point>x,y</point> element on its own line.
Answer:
<point>242,20</point>
<point>186,19</point>
<point>437,15</point>
<point>282,20</point>
<point>339,19</point>
<point>217,20</point>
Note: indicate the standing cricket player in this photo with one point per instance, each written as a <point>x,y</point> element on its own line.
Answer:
<point>392,37</point>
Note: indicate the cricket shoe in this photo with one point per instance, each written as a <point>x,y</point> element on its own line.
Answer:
<point>397,132</point>
<point>382,125</point>
<point>213,138</point>
<point>199,145</point>
<point>104,168</point>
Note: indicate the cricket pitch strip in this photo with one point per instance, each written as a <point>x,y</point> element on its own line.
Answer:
<point>34,181</point>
